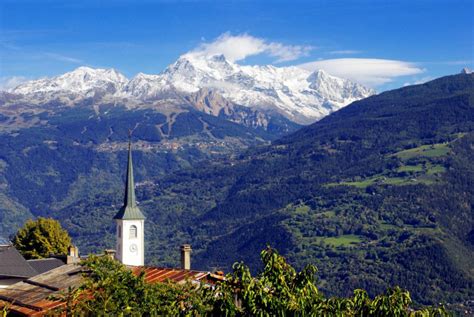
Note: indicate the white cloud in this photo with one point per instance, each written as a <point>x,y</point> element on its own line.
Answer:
<point>63,58</point>
<point>345,52</point>
<point>7,83</point>
<point>369,71</point>
<point>238,47</point>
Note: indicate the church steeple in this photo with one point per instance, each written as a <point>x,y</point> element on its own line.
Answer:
<point>129,220</point>
<point>129,209</point>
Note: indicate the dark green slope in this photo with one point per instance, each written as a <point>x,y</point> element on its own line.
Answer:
<point>65,157</point>
<point>377,194</point>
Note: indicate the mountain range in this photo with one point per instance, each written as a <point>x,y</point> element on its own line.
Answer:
<point>297,94</point>
<point>196,109</point>
<point>370,192</point>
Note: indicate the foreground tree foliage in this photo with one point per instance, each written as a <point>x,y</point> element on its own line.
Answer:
<point>41,238</point>
<point>278,290</point>
<point>110,288</point>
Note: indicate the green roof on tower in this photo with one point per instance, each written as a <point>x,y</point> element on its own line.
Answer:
<point>129,210</point>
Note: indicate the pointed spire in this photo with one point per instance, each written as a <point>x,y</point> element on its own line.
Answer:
<point>129,209</point>
<point>129,199</point>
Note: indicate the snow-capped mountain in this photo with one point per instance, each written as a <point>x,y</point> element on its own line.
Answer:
<point>82,81</point>
<point>298,94</point>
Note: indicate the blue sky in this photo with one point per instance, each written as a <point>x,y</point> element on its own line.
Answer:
<point>383,44</point>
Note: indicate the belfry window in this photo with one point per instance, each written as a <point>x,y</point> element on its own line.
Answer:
<point>133,231</point>
<point>119,232</point>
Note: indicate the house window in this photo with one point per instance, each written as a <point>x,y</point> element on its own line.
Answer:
<point>133,231</point>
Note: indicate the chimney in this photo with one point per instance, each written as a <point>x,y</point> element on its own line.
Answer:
<point>73,251</point>
<point>110,253</point>
<point>72,254</point>
<point>186,256</point>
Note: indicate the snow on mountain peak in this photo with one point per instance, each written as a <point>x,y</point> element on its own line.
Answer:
<point>299,94</point>
<point>82,80</point>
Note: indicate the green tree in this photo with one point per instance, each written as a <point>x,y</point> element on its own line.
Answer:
<point>278,290</point>
<point>40,238</point>
<point>110,288</point>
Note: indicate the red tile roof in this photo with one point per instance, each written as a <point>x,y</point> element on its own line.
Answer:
<point>159,274</point>
<point>29,298</point>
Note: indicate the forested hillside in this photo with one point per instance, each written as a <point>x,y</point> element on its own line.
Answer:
<point>377,194</point>
<point>381,192</point>
<point>55,156</point>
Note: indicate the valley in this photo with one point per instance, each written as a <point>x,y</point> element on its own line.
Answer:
<point>237,158</point>
<point>369,193</point>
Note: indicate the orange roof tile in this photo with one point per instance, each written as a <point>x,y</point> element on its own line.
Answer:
<point>160,274</point>
<point>29,298</point>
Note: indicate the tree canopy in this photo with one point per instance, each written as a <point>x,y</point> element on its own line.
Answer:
<point>278,290</point>
<point>40,238</point>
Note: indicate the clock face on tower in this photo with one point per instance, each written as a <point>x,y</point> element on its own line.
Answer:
<point>133,248</point>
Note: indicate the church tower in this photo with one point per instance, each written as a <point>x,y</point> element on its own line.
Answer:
<point>129,221</point>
